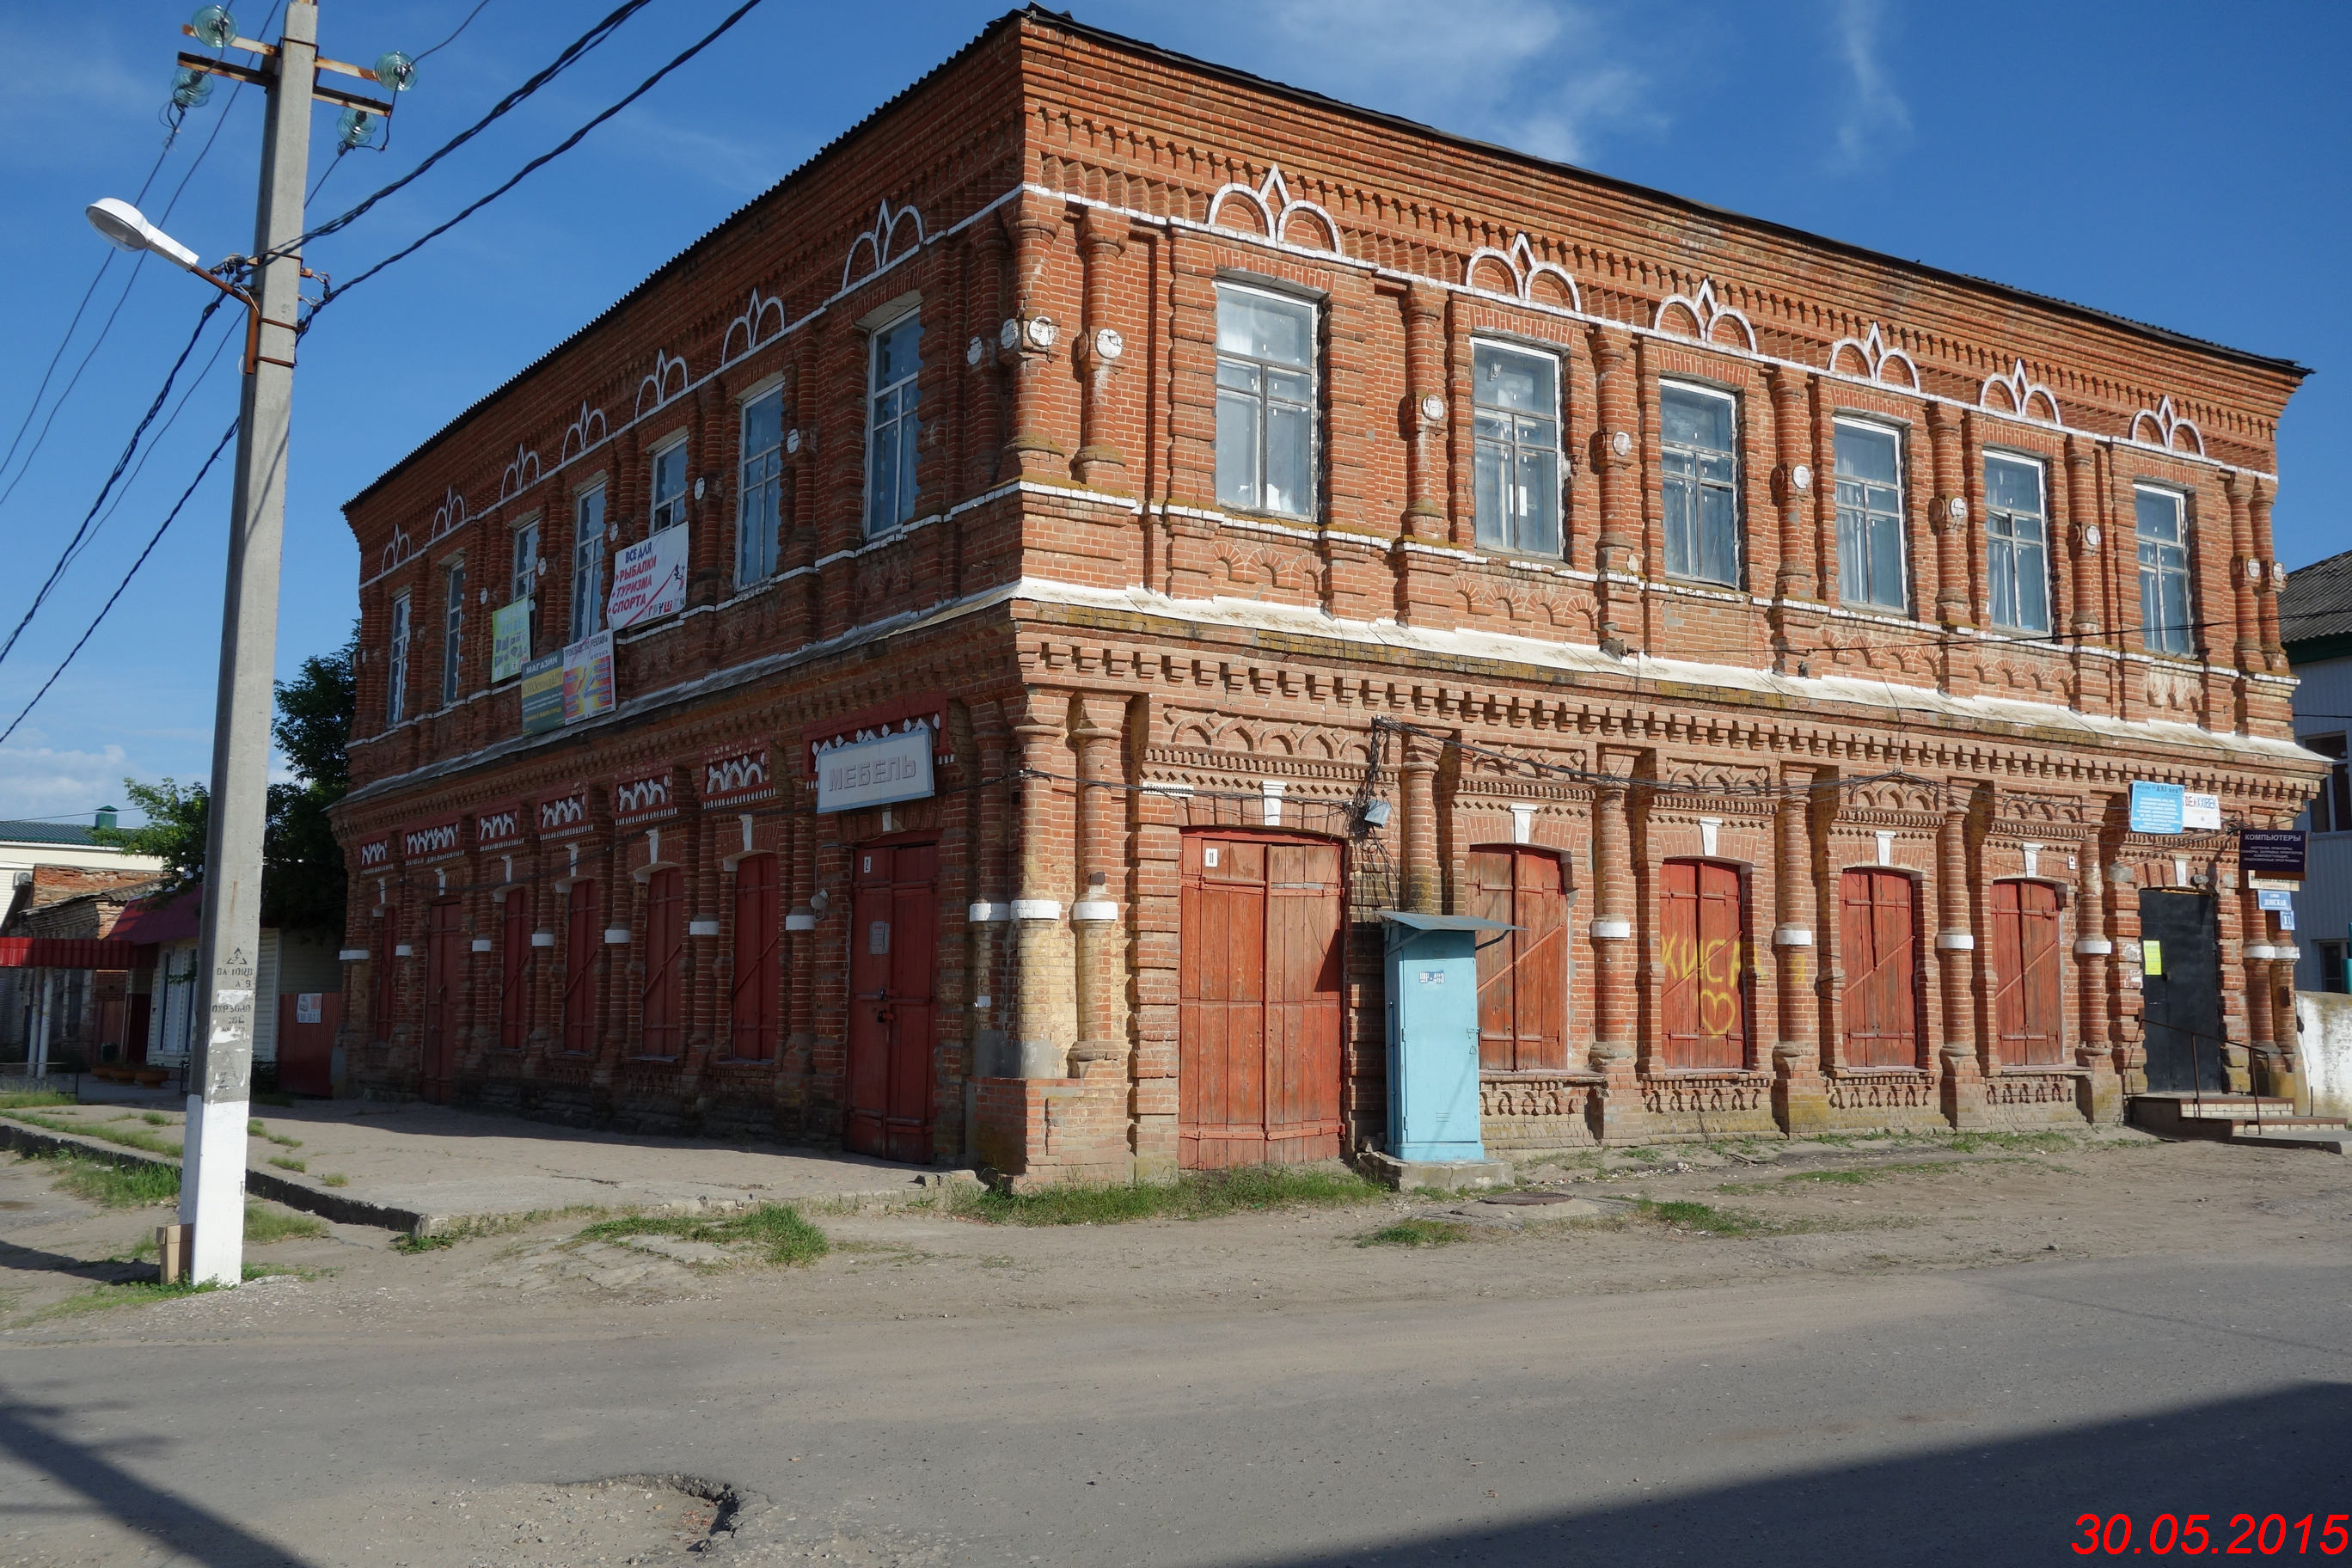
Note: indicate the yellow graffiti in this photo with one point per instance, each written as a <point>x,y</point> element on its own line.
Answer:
<point>1715,967</point>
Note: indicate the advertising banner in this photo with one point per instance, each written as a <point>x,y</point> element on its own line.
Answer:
<point>542,694</point>
<point>588,678</point>
<point>2200,810</point>
<point>879,772</point>
<point>2157,807</point>
<point>2271,852</point>
<point>510,640</point>
<point>648,580</point>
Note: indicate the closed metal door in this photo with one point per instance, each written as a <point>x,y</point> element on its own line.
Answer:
<point>1259,1005</point>
<point>1878,946</point>
<point>2026,1005</point>
<point>893,949</point>
<point>444,953</point>
<point>2184,1000</point>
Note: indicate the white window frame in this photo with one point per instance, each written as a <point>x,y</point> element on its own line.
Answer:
<point>665,511</point>
<point>1313,370</point>
<point>1738,513</point>
<point>1902,513</point>
<point>2184,635</point>
<point>1511,545</point>
<point>907,422</point>
<point>588,561</point>
<point>396,699</point>
<point>522,575</point>
<point>2040,514</point>
<point>758,472</point>
<point>453,630</point>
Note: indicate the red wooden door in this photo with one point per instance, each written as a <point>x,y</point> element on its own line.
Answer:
<point>2025,970</point>
<point>380,984</point>
<point>1704,950</point>
<point>893,948</point>
<point>1522,975</point>
<point>755,1011</point>
<point>514,969</point>
<point>664,973</point>
<point>445,955</point>
<point>1878,935</point>
<point>583,942</point>
<point>1258,1031</point>
<point>306,1051</point>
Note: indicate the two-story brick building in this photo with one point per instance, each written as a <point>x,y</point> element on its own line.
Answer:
<point>1127,521</point>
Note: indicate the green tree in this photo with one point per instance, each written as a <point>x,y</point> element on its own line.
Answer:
<point>302,878</point>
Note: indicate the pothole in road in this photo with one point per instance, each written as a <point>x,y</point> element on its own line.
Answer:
<point>625,1519</point>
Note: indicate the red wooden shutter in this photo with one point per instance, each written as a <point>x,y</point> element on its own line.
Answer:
<point>1522,975</point>
<point>1704,947</point>
<point>754,1012</point>
<point>2025,968</point>
<point>1878,935</point>
<point>387,932</point>
<point>514,970</point>
<point>582,941</point>
<point>665,960</point>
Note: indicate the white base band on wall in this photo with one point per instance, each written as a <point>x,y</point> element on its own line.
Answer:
<point>1094,910</point>
<point>2093,946</point>
<point>702,927</point>
<point>542,939</point>
<point>1793,936</point>
<point>985,914</point>
<point>481,944</point>
<point>1036,909</point>
<point>616,936</point>
<point>1612,931</point>
<point>1955,942</point>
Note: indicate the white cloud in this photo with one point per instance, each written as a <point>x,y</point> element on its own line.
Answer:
<point>1877,119</point>
<point>38,781</point>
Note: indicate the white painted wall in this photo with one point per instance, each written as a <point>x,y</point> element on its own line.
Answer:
<point>2327,1025</point>
<point>2324,904</point>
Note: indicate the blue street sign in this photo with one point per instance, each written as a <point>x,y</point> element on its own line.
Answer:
<point>2157,807</point>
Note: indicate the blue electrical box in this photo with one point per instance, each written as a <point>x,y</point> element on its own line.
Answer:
<point>1431,973</point>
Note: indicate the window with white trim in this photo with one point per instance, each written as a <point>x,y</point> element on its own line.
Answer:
<point>669,486</point>
<point>893,427</point>
<point>453,632</point>
<point>1697,452</point>
<point>1870,516</point>
<point>2017,543</point>
<point>395,691</point>
<point>759,493</point>
<point>1515,448</point>
<point>588,563</point>
<point>2163,537</point>
<point>2331,808</point>
<point>522,581</point>
<point>1266,401</point>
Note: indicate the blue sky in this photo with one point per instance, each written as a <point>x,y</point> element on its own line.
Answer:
<point>2170,162</point>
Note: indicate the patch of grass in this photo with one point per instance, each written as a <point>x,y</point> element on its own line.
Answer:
<point>137,1293</point>
<point>280,1139</point>
<point>777,1228</point>
<point>1415,1233</point>
<point>288,1163</point>
<point>115,1186</point>
<point>129,1137</point>
<point>334,1179</point>
<point>1700,1217</point>
<point>155,1119</point>
<point>1197,1195</point>
<point>1840,1178</point>
<point>422,1243</point>
<point>265,1224</point>
<point>1652,1156</point>
<point>30,1098</point>
<point>274,1100</point>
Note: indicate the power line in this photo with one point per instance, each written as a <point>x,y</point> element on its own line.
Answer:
<point>572,55</point>
<point>131,480</point>
<point>120,463</point>
<point>91,630</point>
<point>556,152</point>
<point>453,36</point>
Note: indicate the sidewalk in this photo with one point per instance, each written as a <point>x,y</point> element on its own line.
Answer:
<point>431,1170</point>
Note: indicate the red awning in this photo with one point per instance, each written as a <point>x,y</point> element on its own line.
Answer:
<point>64,952</point>
<point>175,920</point>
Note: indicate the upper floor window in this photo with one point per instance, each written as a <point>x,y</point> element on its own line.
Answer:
<point>891,423</point>
<point>2163,572</point>
<point>453,629</point>
<point>1870,515</point>
<point>522,581</point>
<point>588,564</point>
<point>1515,424</point>
<point>669,486</point>
<point>2017,543</point>
<point>1266,401</point>
<point>1701,481</point>
<point>395,689</point>
<point>2331,808</point>
<point>760,493</point>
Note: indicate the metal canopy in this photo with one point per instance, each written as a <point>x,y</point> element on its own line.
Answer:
<point>1416,921</point>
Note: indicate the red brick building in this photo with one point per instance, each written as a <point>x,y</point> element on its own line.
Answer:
<point>1251,512</point>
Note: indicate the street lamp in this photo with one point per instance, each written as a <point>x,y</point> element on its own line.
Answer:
<point>125,228</point>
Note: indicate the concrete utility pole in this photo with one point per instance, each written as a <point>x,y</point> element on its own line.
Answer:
<point>229,948</point>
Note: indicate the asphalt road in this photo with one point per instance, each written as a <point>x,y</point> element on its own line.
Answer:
<point>1937,1418</point>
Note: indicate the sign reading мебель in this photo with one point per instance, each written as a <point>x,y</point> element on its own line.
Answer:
<point>880,772</point>
<point>648,580</point>
<point>510,640</point>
